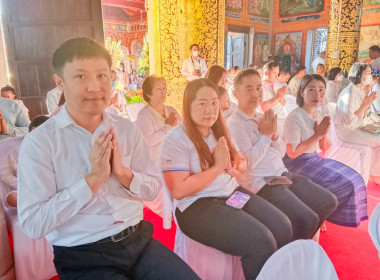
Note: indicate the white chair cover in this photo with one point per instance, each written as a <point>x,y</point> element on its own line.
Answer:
<point>356,156</point>
<point>299,260</point>
<point>374,227</point>
<point>33,259</point>
<point>133,110</point>
<point>207,262</point>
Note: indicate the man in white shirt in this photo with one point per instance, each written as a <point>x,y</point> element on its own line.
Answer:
<point>194,67</point>
<point>320,59</point>
<point>52,99</point>
<point>374,54</point>
<point>273,99</point>
<point>83,176</point>
<point>13,121</point>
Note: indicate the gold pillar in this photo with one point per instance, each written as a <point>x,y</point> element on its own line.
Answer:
<point>343,51</point>
<point>349,33</point>
<point>176,24</point>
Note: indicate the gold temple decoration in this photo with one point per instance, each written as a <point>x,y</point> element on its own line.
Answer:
<point>349,33</point>
<point>176,25</point>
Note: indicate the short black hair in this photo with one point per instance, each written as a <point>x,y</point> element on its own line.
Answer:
<point>37,121</point>
<point>300,68</point>
<point>78,48</point>
<point>375,48</point>
<point>304,82</point>
<point>270,65</point>
<point>331,75</point>
<point>244,73</point>
<point>356,72</point>
<point>284,71</point>
<point>8,88</point>
<point>194,45</point>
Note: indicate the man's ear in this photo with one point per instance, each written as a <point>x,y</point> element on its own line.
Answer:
<point>234,92</point>
<point>58,81</point>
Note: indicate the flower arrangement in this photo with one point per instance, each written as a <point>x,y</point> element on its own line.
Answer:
<point>134,96</point>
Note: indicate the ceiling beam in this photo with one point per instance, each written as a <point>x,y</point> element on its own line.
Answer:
<point>124,4</point>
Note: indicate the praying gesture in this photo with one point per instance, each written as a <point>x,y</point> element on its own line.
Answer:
<point>321,129</point>
<point>368,100</point>
<point>221,155</point>
<point>268,123</point>
<point>172,119</point>
<point>280,94</point>
<point>3,124</point>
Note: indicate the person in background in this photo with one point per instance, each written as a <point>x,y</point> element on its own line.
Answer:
<point>231,73</point>
<point>334,84</point>
<point>201,166</point>
<point>83,176</point>
<point>227,108</point>
<point>352,110</point>
<point>320,59</point>
<point>8,171</point>
<point>374,54</point>
<point>305,203</point>
<point>375,107</point>
<point>305,132</point>
<point>295,82</point>
<point>52,99</point>
<point>321,69</point>
<point>194,67</point>
<point>9,92</point>
<point>218,75</point>
<point>282,80</point>
<point>123,76</point>
<point>118,101</point>
<point>13,121</point>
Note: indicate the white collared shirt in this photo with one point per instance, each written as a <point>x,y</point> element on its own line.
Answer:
<point>299,126</point>
<point>268,93</point>
<point>54,198</point>
<point>263,155</point>
<point>178,153</point>
<point>190,65</point>
<point>17,121</point>
<point>52,99</point>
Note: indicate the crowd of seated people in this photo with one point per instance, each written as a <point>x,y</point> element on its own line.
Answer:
<point>86,173</point>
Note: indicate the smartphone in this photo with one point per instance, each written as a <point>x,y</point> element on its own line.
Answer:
<point>277,180</point>
<point>238,200</point>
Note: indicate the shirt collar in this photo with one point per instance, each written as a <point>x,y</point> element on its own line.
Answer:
<point>245,116</point>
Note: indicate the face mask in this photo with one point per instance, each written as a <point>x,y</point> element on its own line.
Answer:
<point>340,78</point>
<point>368,80</point>
<point>195,53</point>
<point>113,84</point>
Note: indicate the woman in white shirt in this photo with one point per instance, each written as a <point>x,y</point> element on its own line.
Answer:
<point>334,84</point>
<point>200,163</point>
<point>156,119</point>
<point>305,203</point>
<point>305,132</point>
<point>352,111</point>
<point>9,92</point>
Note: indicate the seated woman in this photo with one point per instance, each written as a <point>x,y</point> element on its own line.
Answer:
<point>218,75</point>
<point>227,108</point>
<point>305,203</point>
<point>9,92</point>
<point>155,120</point>
<point>334,84</point>
<point>305,132</point>
<point>352,111</point>
<point>199,164</point>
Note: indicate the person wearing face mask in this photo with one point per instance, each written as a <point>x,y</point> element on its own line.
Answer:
<point>194,67</point>
<point>334,84</point>
<point>306,131</point>
<point>351,114</point>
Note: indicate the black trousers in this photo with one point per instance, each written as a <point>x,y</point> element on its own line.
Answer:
<point>138,256</point>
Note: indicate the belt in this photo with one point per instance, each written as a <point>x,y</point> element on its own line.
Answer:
<point>119,236</point>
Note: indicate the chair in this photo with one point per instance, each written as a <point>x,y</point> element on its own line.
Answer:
<point>299,260</point>
<point>374,227</point>
<point>33,259</point>
<point>356,156</point>
<point>133,110</point>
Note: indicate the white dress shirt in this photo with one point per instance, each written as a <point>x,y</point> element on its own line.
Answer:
<point>22,106</point>
<point>268,93</point>
<point>190,65</point>
<point>294,85</point>
<point>178,153</point>
<point>375,63</point>
<point>375,106</point>
<point>54,198</point>
<point>299,126</point>
<point>52,99</point>
<point>263,155</point>
<point>153,127</point>
<point>17,121</point>
<point>277,85</point>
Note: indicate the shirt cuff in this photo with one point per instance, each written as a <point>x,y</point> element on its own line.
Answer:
<point>81,192</point>
<point>265,139</point>
<point>137,181</point>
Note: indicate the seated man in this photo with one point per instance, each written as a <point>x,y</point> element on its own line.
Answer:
<point>52,99</point>
<point>8,171</point>
<point>83,177</point>
<point>13,121</point>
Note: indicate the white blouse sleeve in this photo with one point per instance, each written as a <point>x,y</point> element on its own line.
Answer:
<point>174,154</point>
<point>292,132</point>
